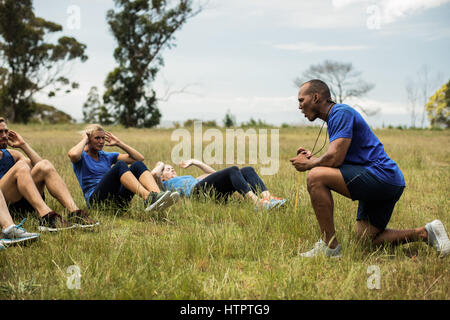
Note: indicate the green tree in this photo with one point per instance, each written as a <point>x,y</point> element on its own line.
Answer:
<point>30,64</point>
<point>229,120</point>
<point>438,107</point>
<point>94,111</point>
<point>142,28</point>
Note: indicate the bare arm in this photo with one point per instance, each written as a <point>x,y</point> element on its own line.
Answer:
<point>157,170</point>
<point>75,153</point>
<point>16,141</point>
<point>131,155</point>
<point>334,157</point>
<point>206,169</point>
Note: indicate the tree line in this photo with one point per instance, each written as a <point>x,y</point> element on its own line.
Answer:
<point>29,64</point>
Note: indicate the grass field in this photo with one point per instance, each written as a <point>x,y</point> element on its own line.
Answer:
<point>203,250</point>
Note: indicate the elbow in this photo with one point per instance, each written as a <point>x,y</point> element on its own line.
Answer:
<point>337,162</point>
<point>73,157</point>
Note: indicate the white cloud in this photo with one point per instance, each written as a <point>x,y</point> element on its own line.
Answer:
<point>392,10</point>
<point>318,14</point>
<point>314,47</point>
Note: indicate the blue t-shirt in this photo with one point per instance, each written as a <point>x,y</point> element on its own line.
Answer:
<point>6,162</point>
<point>89,172</point>
<point>365,148</point>
<point>183,185</point>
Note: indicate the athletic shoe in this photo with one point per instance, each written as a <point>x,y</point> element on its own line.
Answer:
<point>321,249</point>
<point>54,222</point>
<point>157,201</point>
<point>174,198</point>
<point>2,247</point>
<point>437,237</point>
<point>279,202</point>
<point>80,219</point>
<point>17,234</point>
<point>265,204</point>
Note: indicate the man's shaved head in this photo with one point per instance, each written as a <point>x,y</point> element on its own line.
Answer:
<point>317,86</point>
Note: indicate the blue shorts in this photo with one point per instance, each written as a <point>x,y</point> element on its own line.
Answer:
<point>377,199</point>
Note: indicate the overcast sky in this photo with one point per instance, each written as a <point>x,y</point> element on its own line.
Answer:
<point>243,55</point>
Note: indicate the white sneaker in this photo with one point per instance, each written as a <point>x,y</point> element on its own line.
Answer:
<point>18,234</point>
<point>2,247</point>
<point>437,237</point>
<point>321,249</point>
<point>165,200</point>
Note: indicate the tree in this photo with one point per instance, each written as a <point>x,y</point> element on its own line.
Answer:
<point>142,28</point>
<point>94,111</point>
<point>412,96</point>
<point>343,80</point>
<point>438,107</point>
<point>229,120</point>
<point>30,64</point>
<point>418,88</point>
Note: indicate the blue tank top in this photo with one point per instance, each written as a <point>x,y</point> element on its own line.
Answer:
<point>6,162</point>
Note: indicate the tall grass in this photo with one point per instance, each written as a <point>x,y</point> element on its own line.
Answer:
<point>205,250</point>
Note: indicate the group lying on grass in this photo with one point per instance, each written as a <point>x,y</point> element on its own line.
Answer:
<point>355,166</point>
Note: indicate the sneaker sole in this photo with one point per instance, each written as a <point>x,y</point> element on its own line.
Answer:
<point>281,203</point>
<point>7,242</point>
<point>158,203</point>
<point>82,226</point>
<point>442,243</point>
<point>49,229</point>
<point>173,198</point>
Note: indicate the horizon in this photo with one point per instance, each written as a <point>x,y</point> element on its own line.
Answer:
<point>243,56</point>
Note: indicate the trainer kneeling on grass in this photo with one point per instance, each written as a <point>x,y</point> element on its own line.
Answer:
<point>357,167</point>
<point>99,181</point>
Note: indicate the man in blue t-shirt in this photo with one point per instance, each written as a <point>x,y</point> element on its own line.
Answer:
<point>356,166</point>
<point>23,179</point>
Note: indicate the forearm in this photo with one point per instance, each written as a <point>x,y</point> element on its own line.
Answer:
<point>157,170</point>
<point>75,153</point>
<point>137,156</point>
<point>203,166</point>
<point>31,154</point>
<point>327,160</point>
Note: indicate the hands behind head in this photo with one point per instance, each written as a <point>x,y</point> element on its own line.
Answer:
<point>111,140</point>
<point>15,140</point>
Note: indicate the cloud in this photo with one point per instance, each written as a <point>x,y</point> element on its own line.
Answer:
<point>392,10</point>
<point>313,47</point>
<point>318,14</point>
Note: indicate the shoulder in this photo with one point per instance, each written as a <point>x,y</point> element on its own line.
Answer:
<point>339,109</point>
<point>15,154</point>
<point>341,112</point>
